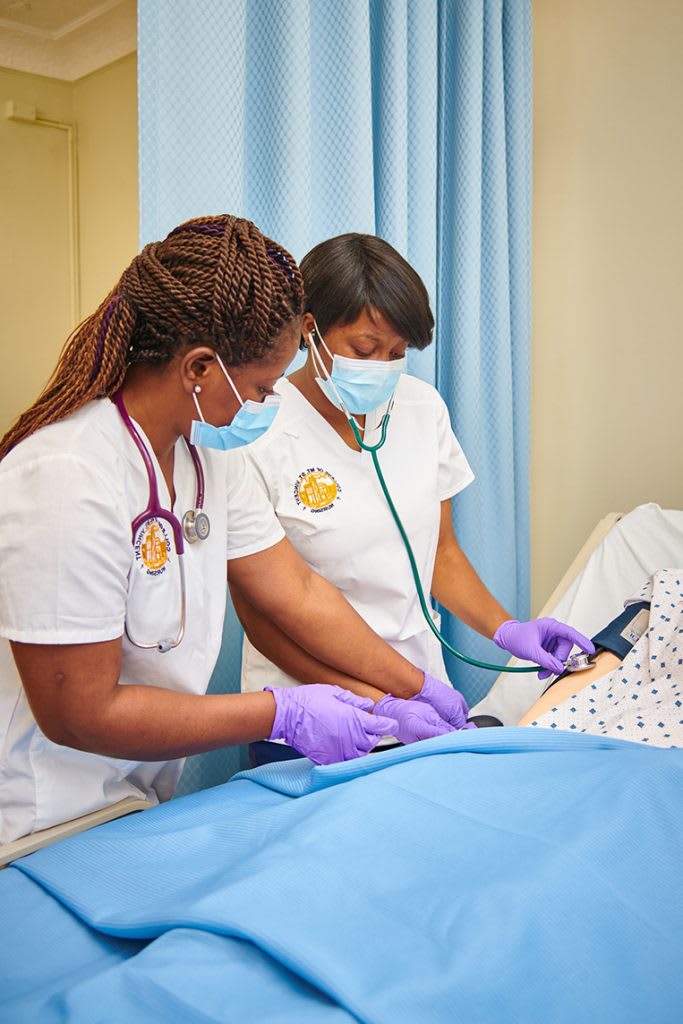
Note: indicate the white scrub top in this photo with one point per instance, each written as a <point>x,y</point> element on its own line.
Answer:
<point>328,500</point>
<point>71,574</point>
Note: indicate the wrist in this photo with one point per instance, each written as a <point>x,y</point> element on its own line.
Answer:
<point>410,683</point>
<point>277,724</point>
<point>385,705</point>
<point>500,621</point>
<point>498,635</point>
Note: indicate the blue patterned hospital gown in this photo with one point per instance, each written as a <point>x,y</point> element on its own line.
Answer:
<point>642,699</point>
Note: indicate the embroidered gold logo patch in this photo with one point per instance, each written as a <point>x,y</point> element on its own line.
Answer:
<point>316,489</point>
<point>152,547</point>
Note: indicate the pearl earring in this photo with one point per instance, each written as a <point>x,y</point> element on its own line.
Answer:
<point>197,389</point>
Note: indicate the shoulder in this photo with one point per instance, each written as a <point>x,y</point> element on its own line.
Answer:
<point>84,447</point>
<point>295,418</point>
<point>413,391</point>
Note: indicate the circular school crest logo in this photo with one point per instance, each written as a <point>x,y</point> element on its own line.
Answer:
<point>152,546</point>
<point>316,489</point>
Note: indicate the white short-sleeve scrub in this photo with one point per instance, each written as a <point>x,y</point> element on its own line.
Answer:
<point>71,575</point>
<point>329,502</point>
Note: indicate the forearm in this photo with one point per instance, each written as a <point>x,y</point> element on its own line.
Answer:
<point>341,639</point>
<point>312,612</point>
<point>289,656</point>
<point>458,588</point>
<point>148,723</point>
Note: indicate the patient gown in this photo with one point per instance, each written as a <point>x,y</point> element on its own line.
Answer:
<point>642,699</point>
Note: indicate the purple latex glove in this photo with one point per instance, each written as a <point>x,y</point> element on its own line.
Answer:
<point>546,642</point>
<point>447,702</point>
<point>326,723</point>
<point>416,721</point>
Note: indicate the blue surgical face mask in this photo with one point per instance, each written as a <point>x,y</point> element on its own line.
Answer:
<point>250,422</point>
<point>356,386</point>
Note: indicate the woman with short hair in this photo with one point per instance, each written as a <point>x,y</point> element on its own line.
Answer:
<point>365,306</point>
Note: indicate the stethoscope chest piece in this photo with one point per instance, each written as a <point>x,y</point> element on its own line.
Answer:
<point>196,525</point>
<point>578,663</point>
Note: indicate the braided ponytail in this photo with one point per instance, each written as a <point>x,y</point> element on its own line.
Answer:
<point>217,279</point>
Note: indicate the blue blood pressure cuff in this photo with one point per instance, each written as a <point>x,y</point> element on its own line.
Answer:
<point>624,631</point>
<point>620,635</point>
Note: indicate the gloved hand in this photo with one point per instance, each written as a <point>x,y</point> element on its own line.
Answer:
<point>447,702</point>
<point>326,723</point>
<point>546,642</point>
<point>416,721</point>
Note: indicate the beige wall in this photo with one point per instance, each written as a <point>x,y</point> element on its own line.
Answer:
<point>34,239</point>
<point>105,108</point>
<point>35,284</point>
<point>608,231</point>
<point>607,432</point>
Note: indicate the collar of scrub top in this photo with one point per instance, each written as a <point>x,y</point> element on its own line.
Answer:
<point>154,510</point>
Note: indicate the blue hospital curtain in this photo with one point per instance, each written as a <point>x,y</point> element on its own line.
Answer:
<point>409,119</point>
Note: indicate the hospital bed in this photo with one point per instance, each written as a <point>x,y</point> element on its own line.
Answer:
<point>491,876</point>
<point>619,554</point>
<point>616,559</point>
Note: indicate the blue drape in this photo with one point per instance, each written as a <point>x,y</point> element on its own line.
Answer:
<point>405,118</point>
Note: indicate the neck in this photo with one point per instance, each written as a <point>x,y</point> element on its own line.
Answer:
<point>305,382</point>
<point>148,403</point>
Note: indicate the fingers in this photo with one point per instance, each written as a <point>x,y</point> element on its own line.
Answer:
<point>346,697</point>
<point>426,730</point>
<point>553,656</point>
<point>550,665</point>
<point>561,629</point>
<point>437,722</point>
<point>561,649</point>
<point>378,725</point>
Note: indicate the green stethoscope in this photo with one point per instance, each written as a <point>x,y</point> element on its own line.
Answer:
<point>373,449</point>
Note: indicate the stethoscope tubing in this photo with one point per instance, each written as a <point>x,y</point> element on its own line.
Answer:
<point>154,510</point>
<point>373,449</point>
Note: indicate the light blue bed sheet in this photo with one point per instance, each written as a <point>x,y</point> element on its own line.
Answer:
<point>495,876</point>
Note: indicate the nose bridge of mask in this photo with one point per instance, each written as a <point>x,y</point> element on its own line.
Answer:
<point>362,368</point>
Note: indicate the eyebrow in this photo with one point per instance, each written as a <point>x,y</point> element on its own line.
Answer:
<point>375,337</point>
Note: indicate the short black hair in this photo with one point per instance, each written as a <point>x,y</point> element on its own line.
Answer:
<point>354,273</point>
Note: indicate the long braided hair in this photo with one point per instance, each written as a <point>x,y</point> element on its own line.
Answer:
<point>213,280</point>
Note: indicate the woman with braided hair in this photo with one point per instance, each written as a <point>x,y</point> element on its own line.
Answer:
<point>111,611</point>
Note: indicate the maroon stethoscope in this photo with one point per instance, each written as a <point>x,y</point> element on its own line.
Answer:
<point>195,523</point>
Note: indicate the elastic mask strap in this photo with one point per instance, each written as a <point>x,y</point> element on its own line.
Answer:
<point>317,358</point>
<point>227,377</point>
<point>321,368</point>
<point>196,405</point>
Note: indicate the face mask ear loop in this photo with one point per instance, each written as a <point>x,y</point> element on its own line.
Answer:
<point>321,368</point>
<point>196,405</point>
<point>227,377</point>
<point>318,361</point>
